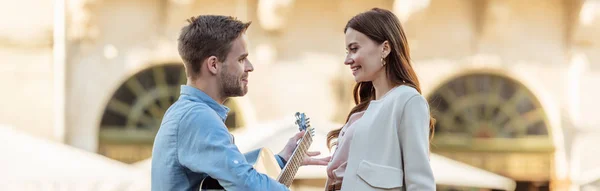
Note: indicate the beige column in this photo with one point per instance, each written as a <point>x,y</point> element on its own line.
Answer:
<point>59,68</point>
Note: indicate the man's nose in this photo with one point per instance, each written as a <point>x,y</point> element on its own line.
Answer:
<point>249,66</point>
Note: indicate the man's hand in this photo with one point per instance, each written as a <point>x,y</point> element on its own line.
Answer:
<point>287,151</point>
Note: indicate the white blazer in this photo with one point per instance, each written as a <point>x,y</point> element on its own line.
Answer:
<point>390,145</point>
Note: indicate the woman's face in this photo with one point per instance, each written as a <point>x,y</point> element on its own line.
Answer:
<point>364,56</point>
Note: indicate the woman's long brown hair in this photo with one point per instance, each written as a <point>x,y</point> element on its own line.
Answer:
<point>381,25</point>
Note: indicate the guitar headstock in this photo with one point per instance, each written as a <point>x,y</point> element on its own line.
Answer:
<point>303,123</point>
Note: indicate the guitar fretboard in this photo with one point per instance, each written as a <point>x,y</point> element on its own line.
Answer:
<point>289,170</point>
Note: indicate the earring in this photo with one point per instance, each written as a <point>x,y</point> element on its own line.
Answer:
<point>382,62</point>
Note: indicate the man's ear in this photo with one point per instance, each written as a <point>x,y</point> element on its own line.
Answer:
<point>212,65</point>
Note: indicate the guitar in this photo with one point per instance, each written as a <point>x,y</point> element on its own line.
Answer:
<point>264,161</point>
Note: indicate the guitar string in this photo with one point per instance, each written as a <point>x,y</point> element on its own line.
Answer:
<point>296,161</point>
<point>287,176</point>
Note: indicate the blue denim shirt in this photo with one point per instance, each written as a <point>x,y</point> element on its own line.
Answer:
<point>193,142</point>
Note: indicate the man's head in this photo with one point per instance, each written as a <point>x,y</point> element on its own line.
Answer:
<point>213,48</point>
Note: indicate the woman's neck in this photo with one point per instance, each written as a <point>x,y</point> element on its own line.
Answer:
<point>382,85</point>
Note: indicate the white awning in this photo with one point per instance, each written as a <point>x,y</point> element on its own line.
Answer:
<point>584,157</point>
<point>451,172</point>
<point>30,163</point>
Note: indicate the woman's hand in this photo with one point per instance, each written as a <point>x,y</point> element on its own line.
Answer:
<point>287,151</point>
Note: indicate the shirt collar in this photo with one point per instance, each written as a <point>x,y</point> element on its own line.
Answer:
<point>196,94</point>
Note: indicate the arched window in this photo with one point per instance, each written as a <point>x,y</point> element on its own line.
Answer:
<point>492,122</point>
<point>133,114</point>
<point>487,106</point>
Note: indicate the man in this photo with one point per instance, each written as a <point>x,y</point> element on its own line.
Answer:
<point>193,141</point>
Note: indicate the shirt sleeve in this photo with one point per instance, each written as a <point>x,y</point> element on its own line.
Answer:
<point>204,146</point>
<point>280,161</point>
<point>414,142</point>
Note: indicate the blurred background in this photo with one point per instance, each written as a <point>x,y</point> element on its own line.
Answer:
<point>513,85</point>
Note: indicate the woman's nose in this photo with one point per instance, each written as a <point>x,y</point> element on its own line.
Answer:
<point>349,61</point>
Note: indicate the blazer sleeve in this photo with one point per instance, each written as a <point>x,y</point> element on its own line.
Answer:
<point>413,133</point>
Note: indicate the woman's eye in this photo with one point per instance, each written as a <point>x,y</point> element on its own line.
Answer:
<point>353,50</point>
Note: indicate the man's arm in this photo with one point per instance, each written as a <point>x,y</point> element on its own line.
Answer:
<point>204,146</point>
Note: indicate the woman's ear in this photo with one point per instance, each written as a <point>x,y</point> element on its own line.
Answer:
<point>385,49</point>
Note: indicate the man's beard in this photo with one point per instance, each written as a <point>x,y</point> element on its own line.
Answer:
<point>231,85</point>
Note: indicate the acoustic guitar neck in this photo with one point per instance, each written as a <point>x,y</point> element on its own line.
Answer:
<point>291,168</point>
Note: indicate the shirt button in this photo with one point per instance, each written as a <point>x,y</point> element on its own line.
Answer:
<point>235,162</point>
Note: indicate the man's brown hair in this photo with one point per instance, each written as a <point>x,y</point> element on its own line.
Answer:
<point>205,36</point>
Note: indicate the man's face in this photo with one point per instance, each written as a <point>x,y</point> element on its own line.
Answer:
<point>233,77</point>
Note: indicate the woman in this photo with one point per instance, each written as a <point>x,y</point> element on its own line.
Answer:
<point>384,144</point>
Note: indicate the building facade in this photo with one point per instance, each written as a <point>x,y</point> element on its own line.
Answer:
<point>512,84</point>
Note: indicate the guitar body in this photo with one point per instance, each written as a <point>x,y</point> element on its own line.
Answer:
<point>210,184</point>
<point>263,160</point>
